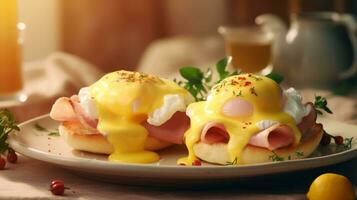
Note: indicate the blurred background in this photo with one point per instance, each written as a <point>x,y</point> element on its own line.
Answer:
<point>70,44</point>
<point>114,34</point>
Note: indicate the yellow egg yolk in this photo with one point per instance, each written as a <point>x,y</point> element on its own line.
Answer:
<point>123,100</point>
<point>264,94</point>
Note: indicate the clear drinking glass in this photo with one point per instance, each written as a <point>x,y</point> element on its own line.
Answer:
<point>11,82</point>
<point>250,48</point>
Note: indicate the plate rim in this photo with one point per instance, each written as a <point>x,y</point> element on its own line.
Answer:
<point>92,164</point>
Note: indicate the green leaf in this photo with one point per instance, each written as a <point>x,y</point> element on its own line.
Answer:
<point>275,77</point>
<point>54,133</point>
<point>221,66</point>
<point>275,157</point>
<point>192,74</point>
<point>40,128</point>
<point>198,83</point>
<point>321,104</point>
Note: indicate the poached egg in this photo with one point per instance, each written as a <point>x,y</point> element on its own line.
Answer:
<point>122,101</point>
<point>244,105</point>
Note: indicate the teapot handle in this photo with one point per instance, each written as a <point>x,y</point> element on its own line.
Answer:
<point>351,24</point>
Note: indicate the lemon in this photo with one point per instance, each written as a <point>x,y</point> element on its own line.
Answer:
<point>331,186</point>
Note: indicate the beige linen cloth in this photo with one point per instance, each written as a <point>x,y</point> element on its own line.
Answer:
<point>62,75</point>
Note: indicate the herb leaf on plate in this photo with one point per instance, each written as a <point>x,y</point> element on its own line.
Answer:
<point>54,132</point>
<point>348,143</point>
<point>275,157</point>
<point>234,162</point>
<point>40,128</point>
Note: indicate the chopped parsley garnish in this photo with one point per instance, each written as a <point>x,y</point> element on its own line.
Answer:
<point>54,132</point>
<point>299,154</point>
<point>275,157</point>
<point>347,144</point>
<point>234,162</point>
<point>40,128</point>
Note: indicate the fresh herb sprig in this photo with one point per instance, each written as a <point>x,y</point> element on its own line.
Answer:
<point>198,83</point>
<point>320,105</point>
<point>278,78</point>
<point>7,124</point>
<point>221,68</point>
<point>54,132</point>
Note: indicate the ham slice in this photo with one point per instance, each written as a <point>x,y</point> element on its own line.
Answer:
<point>62,110</point>
<point>69,109</point>
<point>274,137</point>
<point>214,132</point>
<point>309,120</point>
<point>82,116</point>
<point>172,130</point>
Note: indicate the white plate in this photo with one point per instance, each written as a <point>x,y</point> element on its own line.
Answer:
<point>38,145</point>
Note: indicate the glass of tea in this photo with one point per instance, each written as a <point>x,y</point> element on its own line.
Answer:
<point>11,82</point>
<point>249,48</point>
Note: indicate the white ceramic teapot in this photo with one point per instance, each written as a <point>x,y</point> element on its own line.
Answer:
<point>317,50</point>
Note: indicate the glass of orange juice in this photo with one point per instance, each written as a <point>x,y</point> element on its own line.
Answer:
<point>11,82</point>
<point>249,47</point>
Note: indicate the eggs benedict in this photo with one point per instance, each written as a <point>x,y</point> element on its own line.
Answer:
<point>126,114</point>
<point>247,119</point>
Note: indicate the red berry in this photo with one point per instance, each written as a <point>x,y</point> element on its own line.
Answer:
<point>338,140</point>
<point>2,163</point>
<point>196,163</point>
<point>57,189</point>
<point>57,181</point>
<point>11,156</point>
<point>326,139</point>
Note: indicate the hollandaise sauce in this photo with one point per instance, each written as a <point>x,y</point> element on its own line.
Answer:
<point>124,100</point>
<point>266,98</point>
